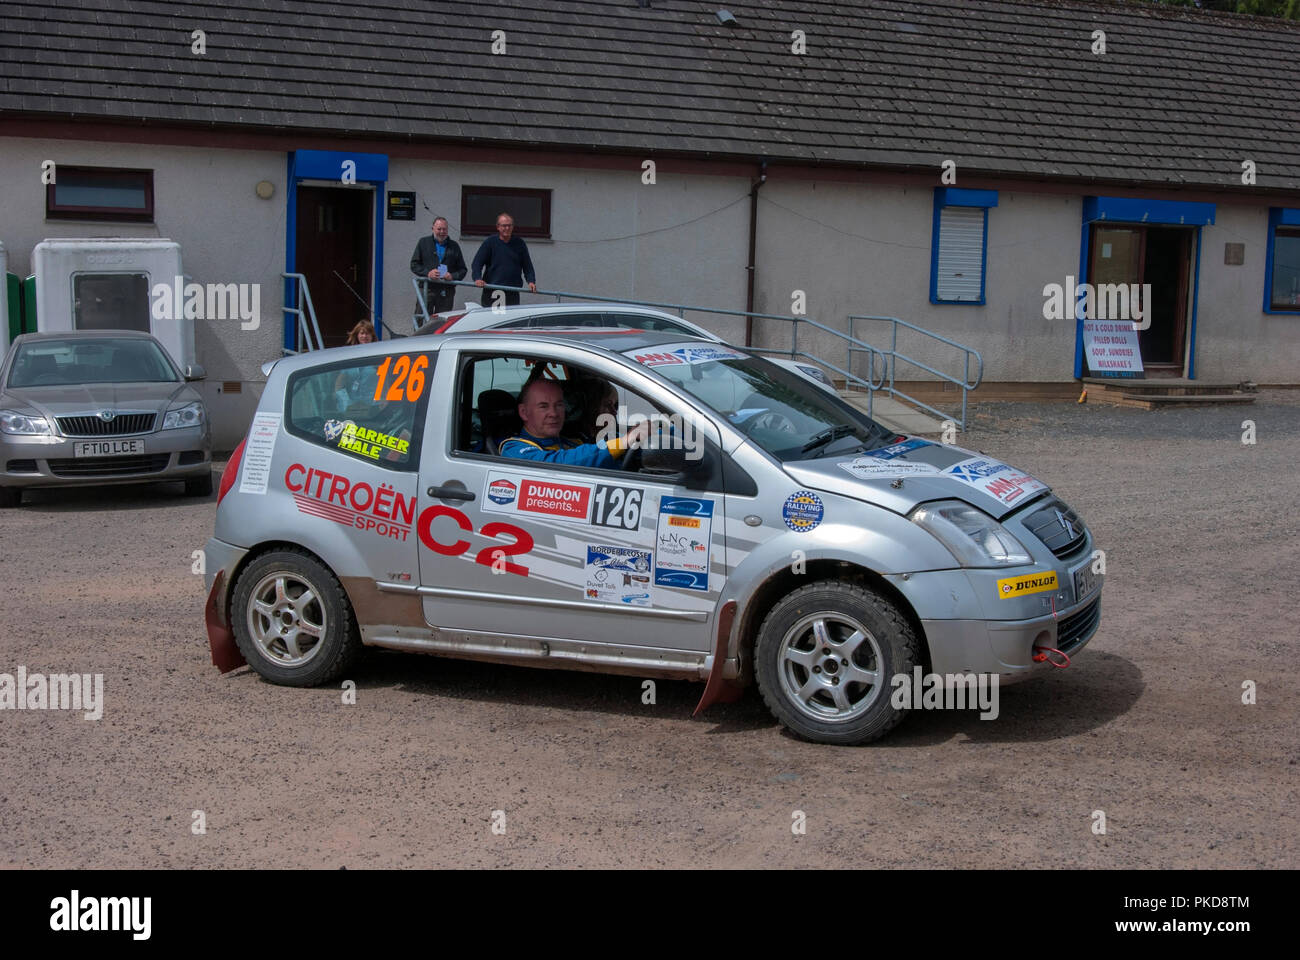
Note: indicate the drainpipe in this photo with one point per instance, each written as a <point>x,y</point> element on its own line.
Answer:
<point>753,238</point>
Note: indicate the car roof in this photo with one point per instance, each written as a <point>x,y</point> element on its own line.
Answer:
<point>83,335</point>
<point>610,340</point>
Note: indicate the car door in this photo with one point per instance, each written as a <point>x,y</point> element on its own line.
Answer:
<point>579,556</point>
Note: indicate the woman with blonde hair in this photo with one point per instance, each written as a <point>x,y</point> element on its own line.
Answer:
<point>363,332</point>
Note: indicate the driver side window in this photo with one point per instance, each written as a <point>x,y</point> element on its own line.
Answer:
<point>543,412</point>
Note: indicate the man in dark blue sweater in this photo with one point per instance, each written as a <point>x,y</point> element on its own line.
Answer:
<point>501,260</point>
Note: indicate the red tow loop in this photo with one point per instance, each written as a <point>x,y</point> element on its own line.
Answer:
<point>1041,654</point>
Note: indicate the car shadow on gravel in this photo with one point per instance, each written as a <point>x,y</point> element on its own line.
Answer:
<point>162,494</point>
<point>1064,703</point>
<point>563,689</point>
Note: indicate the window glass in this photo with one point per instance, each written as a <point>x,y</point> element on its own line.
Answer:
<point>1286,268</point>
<point>644,321</point>
<point>100,193</point>
<point>778,410</point>
<point>47,363</point>
<point>367,409</point>
<point>530,208</point>
<point>111,301</point>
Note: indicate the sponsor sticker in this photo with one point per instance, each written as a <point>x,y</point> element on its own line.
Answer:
<point>898,449</point>
<point>688,354</point>
<point>371,443</point>
<point>618,575</point>
<point>379,510</point>
<point>803,511</point>
<point>683,537</point>
<point>255,467</point>
<point>870,468</point>
<point>554,499</point>
<point>1011,587</point>
<point>334,428</point>
<point>502,491</point>
<point>1006,484</point>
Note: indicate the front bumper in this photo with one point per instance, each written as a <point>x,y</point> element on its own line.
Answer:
<point>179,454</point>
<point>1006,647</point>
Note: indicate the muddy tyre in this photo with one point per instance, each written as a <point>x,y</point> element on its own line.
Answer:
<point>292,620</point>
<point>824,659</point>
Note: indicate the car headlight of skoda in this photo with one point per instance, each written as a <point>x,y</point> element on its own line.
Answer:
<point>190,415</point>
<point>972,536</point>
<point>23,425</point>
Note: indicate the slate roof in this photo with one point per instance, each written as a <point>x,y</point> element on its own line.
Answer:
<point>1180,97</point>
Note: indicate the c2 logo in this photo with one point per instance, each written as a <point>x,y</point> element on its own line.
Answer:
<point>523,543</point>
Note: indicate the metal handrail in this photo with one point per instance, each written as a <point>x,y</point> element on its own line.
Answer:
<point>305,331</point>
<point>893,356</point>
<point>868,383</point>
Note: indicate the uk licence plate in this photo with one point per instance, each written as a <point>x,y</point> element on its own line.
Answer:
<point>107,448</point>
<point>1086,583</point>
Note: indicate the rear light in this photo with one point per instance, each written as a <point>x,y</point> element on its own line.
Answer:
<point>229,474</point>
<point>450,320</point>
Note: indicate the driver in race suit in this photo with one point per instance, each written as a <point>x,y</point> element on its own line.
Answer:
<point>542,410</point>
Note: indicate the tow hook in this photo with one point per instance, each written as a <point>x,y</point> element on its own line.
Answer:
<point>1041,654</point>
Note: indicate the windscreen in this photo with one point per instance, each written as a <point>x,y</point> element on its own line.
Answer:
<point>778,410</point>
<point>57,363</point>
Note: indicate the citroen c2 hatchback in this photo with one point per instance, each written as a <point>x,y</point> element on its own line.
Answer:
<point>759,530</point>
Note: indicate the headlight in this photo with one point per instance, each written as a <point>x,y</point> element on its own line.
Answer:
<point>190,415</point>
<point>975,538</point>
<point>19,423</point>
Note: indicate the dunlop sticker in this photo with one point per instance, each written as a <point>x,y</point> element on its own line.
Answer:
<point>1023,586</point>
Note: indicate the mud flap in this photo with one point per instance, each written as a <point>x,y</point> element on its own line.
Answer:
<point>718,690</point>
<point>225,652</point>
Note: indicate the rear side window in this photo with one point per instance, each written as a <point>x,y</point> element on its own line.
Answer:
<point>367,409</point>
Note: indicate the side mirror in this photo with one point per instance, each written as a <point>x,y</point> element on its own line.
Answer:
<point>194,371</point>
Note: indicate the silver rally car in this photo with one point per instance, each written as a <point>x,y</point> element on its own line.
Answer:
<point>766,532</point>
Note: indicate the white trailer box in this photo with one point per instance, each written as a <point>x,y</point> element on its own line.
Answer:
<point>108,284</point>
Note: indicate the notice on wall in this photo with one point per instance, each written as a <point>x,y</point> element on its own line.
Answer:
<point>255,467</point>
<point>1111,347</point>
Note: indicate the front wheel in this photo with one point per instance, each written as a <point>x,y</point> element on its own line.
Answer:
<point>199,486</point>
<point>825,658</point>
<point>11,496</point>
<point>292,620</point>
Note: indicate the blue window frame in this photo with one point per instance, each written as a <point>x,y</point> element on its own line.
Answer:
<point>959,245</point>
<point>1282,262</point>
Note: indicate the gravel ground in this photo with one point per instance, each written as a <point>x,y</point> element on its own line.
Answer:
<point>1148,725</point>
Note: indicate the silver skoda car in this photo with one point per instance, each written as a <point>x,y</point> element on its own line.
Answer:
<point>96,407</point>
<point>757,530</point>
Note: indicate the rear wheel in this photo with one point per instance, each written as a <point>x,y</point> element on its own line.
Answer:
<point>11,496</point>
<point>824,659</point>
<point>292,620</point>
<point>199,486</point>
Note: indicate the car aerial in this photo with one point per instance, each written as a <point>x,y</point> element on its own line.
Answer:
<point>583,315</point>
<point>92,407</point>
<point>764,533</point>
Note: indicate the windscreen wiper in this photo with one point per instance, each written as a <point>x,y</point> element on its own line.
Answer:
<point>829,435</point>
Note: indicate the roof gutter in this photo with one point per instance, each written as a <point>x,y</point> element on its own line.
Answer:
<point>753,238</point>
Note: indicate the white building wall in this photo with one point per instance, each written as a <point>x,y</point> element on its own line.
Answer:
<point>204,199</point>
<point>852,247</point>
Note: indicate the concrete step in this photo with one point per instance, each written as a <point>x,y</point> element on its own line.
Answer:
<point>894,414</point>
<point>1148,401</point>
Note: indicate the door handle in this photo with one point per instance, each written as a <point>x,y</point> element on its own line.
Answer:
<point>451,493</point>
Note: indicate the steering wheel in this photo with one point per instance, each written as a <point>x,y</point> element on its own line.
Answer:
<point>631,462</point>
<point>773,422</point>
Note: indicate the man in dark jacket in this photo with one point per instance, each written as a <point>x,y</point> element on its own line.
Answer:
<point>501,260</point>
<point>438,256</point>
